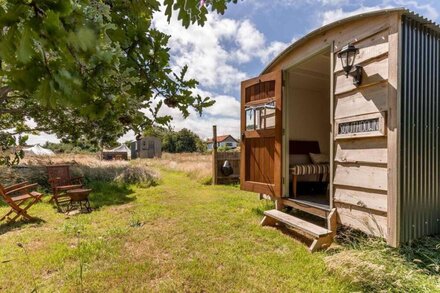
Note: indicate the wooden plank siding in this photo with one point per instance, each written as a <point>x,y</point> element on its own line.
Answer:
<point>374,72</point>
<point>361,173</point>
<point>362,176</point>
<point>367,100</point>
<point>366,220</point>
<point>366,198</point>
<point>366,150</point>
<point>369,48</point>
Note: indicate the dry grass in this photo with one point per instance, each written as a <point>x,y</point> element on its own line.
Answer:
<point>91,167</point>
<point>197,166</point>
<point>375,267</point>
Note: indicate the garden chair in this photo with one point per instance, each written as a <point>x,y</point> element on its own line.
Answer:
<point>16,196</point>
<point>61,181</point>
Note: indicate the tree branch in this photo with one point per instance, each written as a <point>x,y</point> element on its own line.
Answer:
<point>38,129</point>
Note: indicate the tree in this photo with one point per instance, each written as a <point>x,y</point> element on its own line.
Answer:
<point>183,141</point>
<point>85,69</point>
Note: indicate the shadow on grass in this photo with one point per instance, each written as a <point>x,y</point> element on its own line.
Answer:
<point>6,227</point>
<point>424,253</point>
<point>109,193</point>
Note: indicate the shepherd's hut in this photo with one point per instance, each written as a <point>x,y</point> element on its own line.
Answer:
<point>344,125</point>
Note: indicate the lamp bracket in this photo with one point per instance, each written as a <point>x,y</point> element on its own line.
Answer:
<point>357,75</point>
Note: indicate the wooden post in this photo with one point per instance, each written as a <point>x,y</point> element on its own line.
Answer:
<point>214,155</point>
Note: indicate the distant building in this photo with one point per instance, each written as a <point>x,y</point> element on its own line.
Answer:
<point>223,141</point>
<point>119,153</point>
<point>146,147</point>
<point>37,150</point>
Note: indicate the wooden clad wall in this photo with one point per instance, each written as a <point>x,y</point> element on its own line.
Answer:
<point>360,183</point>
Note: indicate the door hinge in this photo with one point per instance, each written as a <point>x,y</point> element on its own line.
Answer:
<point>283,179</point>
<point>283,131</point>
<point>283,82</point>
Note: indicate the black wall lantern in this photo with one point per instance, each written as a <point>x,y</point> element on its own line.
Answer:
<point>348,56</point>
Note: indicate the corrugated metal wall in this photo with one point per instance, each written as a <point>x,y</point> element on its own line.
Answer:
<point>419,131</point>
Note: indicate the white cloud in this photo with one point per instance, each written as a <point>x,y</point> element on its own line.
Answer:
<point>214,54</point>
<point>215,51</point>
<point>225,113</point>
<point>337,14</point>
<point>426,9</point>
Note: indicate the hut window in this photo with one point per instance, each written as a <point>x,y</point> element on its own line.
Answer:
<point>260,116</point>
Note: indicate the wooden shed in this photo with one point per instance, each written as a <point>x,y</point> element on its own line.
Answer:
<point>355,145</point>
<point>146,147</point>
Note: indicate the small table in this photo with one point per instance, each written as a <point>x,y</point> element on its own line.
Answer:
<point>79,197</point>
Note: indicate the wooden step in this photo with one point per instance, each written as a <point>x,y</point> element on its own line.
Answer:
<point>310,207</point>
<point>321,236</point>
<point>307,227</point>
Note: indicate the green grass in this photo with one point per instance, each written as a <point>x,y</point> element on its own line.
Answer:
<point>177,236</point>
<point>185,236</point>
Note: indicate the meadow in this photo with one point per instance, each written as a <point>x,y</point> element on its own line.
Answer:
<point>158,226</point>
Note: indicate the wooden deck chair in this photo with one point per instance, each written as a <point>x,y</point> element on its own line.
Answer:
<point>17,196</point>
<point>61,181</point>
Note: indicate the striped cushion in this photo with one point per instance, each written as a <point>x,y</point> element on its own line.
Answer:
<point>310,169</point>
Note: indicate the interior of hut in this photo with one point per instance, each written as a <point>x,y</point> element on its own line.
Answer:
<point>308,128</point>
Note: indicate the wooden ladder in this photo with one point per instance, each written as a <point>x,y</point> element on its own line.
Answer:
<point>322,237</point>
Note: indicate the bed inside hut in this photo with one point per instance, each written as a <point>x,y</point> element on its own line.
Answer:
<point>307,127</point>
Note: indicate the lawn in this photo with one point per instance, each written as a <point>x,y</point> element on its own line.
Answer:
<point>182,235</point>
<point>177,236</point>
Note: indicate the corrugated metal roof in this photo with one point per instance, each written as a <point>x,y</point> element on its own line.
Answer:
<point>320,30</point>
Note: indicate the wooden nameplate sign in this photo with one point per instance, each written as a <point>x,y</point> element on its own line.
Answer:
<point>370,125</point>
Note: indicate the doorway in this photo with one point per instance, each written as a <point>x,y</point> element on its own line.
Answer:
<point>308,129</point>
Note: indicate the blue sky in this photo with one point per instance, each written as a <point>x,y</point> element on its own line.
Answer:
<point>238,44</point>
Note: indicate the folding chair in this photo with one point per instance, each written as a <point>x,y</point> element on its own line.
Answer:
<point>16,196</point>
<point>61,181</point>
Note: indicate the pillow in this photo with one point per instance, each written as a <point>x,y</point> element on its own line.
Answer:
<point>299,160</point>
<point>319,158</point>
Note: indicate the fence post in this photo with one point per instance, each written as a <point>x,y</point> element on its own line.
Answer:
<point>214,155</point>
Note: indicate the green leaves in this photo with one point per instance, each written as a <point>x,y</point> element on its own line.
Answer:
<point>84,39</point>
<point>190,11</point>
<point>89,69</point>
<point>25,49</point>
<point>52,24</point>
<point>44,93</point>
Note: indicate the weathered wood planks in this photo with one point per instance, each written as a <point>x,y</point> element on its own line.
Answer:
<point>361,176</point>
<point>367,100</point>
<point>367,150</point>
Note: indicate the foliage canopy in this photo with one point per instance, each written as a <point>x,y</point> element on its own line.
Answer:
<point>88,69</point>
<point>182,141</point>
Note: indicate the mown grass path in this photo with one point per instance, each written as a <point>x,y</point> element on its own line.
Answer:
<point>177,236</point>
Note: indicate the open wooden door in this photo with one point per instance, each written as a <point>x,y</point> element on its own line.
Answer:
<point>261,134</point>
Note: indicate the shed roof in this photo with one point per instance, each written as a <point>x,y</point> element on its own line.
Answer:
<point>221,138</point>
<point>121,149</point>
<point>37,150</point>
<point>428,23</point>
